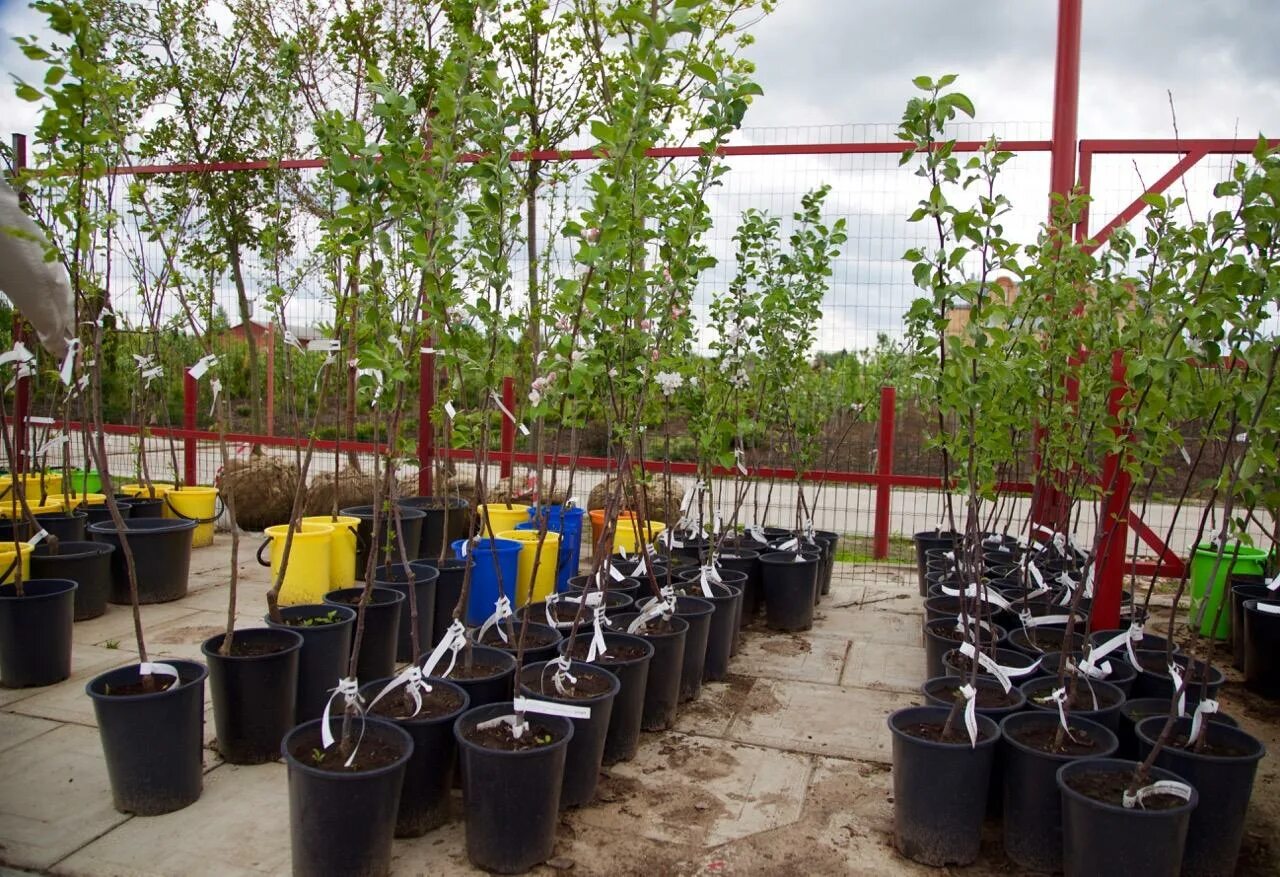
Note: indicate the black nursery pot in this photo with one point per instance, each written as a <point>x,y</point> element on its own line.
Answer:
<point>542,641</point>
<point>254,695</point>
<point>139,507</point>
<point>161,557</point>
<point>410,525</point>
<point>631,587</point>
<point>489,679</point>
<point>88,564</point>
<point>67,527</point>
<point>697,612</point>
<point>956,664</point>
<point>96,514</point>
<point>1122,675</point>
<point>586,749</point>
<point>1103,837</point>
<point>941,637</point>
<point>662,689</point>
<point>342,821</point>
<point>1261,653</point>
<point>931,540</point>
<point>1032,804</point>
<point>1109,699</point>
<point>623,737</point>
<point>448,592</point>
<point>445,520</point>
<point>722,630</point>
<point>322,660</point>
<point>1223,776</point>
<point>565,609</point>
<point>428,777</point>
<point>153,742</point>
<point>747,562</point>
<point>993,700</point>
<point>1241,591</point>
<point>939,789</point>
<point>829,540</point>
<point>789,581</point>
<point>512,798</point>
<point>731,578</point>
<point>1134,712</point>
<point>381,628</point>
<point>396,577</point>
<point>35,632</point>
<point>1154,679</point>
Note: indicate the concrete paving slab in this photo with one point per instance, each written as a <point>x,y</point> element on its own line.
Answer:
<point>819,719</point>
<point>54,797</point>
<point>17,729</point>
<point>116,624</point>
<point>66,701</point>
<point>867,624</point>
<point>803,657</point>
<point>719,702</point>
<point>884,666</point>
<point>697,790</point>
<point>239,826</point>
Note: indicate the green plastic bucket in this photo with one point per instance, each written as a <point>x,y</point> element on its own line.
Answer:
<point>1237,559</point>
<point>84,482</point>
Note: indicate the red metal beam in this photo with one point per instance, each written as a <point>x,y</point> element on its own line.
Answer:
<point>1210,146</point>
<point>1110,563</point>
<point>1171,176</point>
<point>190,399</point>
<point>426,433</point>
<point>884,466</point>
<point>1066,98</point>
<point>1165,556</point>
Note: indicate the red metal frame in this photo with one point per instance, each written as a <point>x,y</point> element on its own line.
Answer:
<point>190,399</point>
<point>1117,482</point>
<point>884,466</point>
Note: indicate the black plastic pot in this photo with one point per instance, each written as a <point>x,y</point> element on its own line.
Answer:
<point>153,743</point>
<point>564,609</point>
<point>1261,652</point>
<point>586,749</point>
<point>830,541</point>
<point>428,777</point>
<point>1224,782</point>
<point>96,514</point>
<point>410,525</point>
<point>253,696</point>
<point>746,561</point>
<point>623,737</point>
<point>722,630</point>
<point>88,564</point>
<point>662,689</point>
<point>1150,642</point>
<point>732,578</point>
<point>1122,676</point>
<point>1154,679</point>
<point>512,799</point>
<point>955,664</point>
<point>697,613</point>
<point>1104,837</point>
<point>381,628</point>
<point>532,654</point>
<point>396,577</point>
<point>936,540</point>
<point>448,592</point>
<point>342,821</point>
<point>947,606</point>
<point>940,691</point>
<point>141,507</point>
<point>322,660</point>
<point>1047,639</point>
<point>789,582</point>
<point>66,527</point>
<point>35,632</point>
<point>938,640</point>
<point>1241,591</point>
<point>445,521</point>
<point>488,687</point>
<point>161,557</point>
<point>1109,699</point>
<point>1032,804</point>
<point>939,789</point>
<point>1135,711</point>
<point>630,587</point>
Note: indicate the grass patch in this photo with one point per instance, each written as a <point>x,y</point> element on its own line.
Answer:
<point>858,549</point>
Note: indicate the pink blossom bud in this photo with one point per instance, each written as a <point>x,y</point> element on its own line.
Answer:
<point>676,312</point>
<point>591,234</point>
<point>654,356</point>
<point>646,324</point>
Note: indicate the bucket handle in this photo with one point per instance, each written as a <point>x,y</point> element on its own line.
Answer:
<point>13,565</point>
<point>262,548</point>
<point>217,500</point>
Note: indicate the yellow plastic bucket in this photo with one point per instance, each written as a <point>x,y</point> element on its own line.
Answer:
<point>6,559</point>
<point>86,499</point>
<point>342,548</point>
<point>194,503</point>
<point>546,582</point>
<point>502,517</point>
<point>52,486</point>
<point>13,509</point>
<point>307,578</point>
<point>626,534</point>
<point>157,490</point>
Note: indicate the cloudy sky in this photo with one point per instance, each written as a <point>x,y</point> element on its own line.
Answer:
<point>832,68</point>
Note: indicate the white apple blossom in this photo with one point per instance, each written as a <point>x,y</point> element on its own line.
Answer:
<point>669,382</point>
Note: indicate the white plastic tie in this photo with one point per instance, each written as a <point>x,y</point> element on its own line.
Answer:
<point>38,537</point>
<point>1274,584</point>
<point>516,722</point>
<point>705,581</point>
<point>1000,673</point>
<point>411,677</point>
<point>455,637</point>
<point>971,713</point>
<point>57,441</point>
<point>1203,708</point>
<point>1176,676</point>
<point>69,362</point>
<point>19,354</point>
<point>551,708</point>
<point>202,366</point>
<point>1060,698</point>
<point>324,345</point>
<point>501,611</point>
<point>349,688</point>
<point>1268,608</point>
<point>506,412</point>
<point>598,645</point>
<point>1135,635</point>
<point>1131,800</point>
<point>1036,575</point>
<point>449,410</point>
<point>651,610</point>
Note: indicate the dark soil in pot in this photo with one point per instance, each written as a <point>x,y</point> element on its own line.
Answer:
<point>956,664</point>
<point>1101,836</point>
<point>88,564</point>
<point>1122,674</point>
<point>487,677</point>
<point>1222,771</point>
<point>35,632</point>
<point>595,687</point>
<point>511,787</point>
<point>1135,711</point>
<point>1154,679</point>
<point>254,691</point>
<point>161,556</point>
<point>993,700</point>
<point>662,690</point>
<point>1037,641</point>
<point>541,642</point>
<point>626,657</point>
<point>928,826</point>
<point>1031,753</point>
<point>377,657</point>
<point>1096,700</point>
<point>396,577</point>
<point>341,820</point>
<point>326,632</point>
<point>153,741</point>
<point>428,778</point>
<point>944,635</point>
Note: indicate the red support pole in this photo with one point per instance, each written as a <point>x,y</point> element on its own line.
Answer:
<point>22,389</point>
<point>190,398</point>
<point>271,377</point>
<point>884,468</point>
<point>1109,578</point>
<point>426,435</point>
<point>508,428</point>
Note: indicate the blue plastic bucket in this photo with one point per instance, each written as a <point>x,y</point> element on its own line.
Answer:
<point>568,523</point>
<point>485,586</point>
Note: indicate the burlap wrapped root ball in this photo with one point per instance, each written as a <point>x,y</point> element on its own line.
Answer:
<point>261,488</point>
<point>659,504</point>
<point>520,489</point>
<point>351,486</point>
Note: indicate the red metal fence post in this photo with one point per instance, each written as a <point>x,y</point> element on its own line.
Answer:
<point>22,389</point>
<point>1109,580</point>
<point>190,398</point>
<point>426,435</point>
<point>884,468</point>
<point>271,377</point>
<point>508,428</point>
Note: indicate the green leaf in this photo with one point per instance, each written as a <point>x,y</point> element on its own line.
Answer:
<point>26,92</point>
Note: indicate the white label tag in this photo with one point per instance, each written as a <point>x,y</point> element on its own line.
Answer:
<point>449,410</point>
<point>549,708</point>
<point>202,366</point>
<point>1269,608</point>
<point>1164,787</point>
<point>324,345</point>
<point>38,538</point>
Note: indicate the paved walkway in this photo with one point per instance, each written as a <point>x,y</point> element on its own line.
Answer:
<point>782,769</point>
